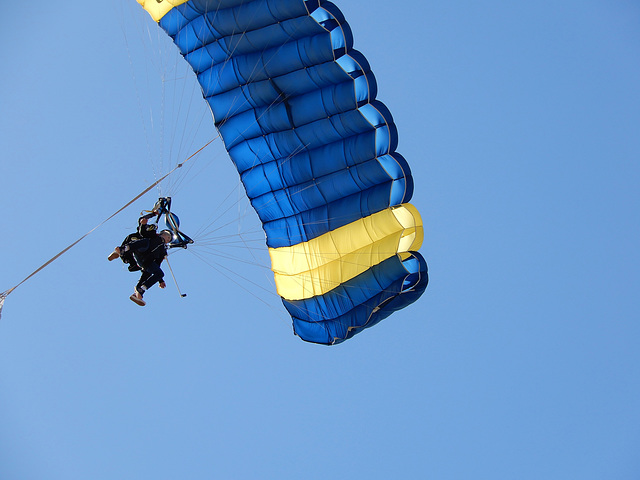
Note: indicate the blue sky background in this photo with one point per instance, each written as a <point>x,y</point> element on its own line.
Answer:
<point>521,123</point>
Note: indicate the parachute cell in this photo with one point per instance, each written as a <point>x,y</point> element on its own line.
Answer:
<point>296,107</point>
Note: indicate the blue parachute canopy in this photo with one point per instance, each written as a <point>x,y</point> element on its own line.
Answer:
<point>296,107</point>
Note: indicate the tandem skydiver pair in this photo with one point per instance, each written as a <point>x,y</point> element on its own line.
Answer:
<point>146,248</point>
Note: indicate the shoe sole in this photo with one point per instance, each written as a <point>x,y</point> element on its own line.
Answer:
<point>137,301</point>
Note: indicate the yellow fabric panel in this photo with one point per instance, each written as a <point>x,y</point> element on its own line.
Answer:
<point>413,233</point>
<point>321,264</point>
<point>159,8</point>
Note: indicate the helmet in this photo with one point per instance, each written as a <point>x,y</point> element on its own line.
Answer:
<point>169,232</point>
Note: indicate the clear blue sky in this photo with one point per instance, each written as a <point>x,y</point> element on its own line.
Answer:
<point>521,122</point>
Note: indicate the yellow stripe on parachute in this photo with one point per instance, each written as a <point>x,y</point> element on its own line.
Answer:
<point>159,8</point>
<point>319,265</point>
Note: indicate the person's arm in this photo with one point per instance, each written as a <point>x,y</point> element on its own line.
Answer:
<point>144,229</point>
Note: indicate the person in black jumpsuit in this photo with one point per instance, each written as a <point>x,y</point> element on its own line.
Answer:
<point>144,250</point>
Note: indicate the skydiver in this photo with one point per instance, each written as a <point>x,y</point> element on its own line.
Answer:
<point>145,250</point>
<point>144,230</point>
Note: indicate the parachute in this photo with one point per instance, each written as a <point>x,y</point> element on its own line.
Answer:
<point>295,105</point>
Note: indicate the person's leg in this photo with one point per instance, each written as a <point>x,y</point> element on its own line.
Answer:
<point>143,278</point>
<point>155,274</point>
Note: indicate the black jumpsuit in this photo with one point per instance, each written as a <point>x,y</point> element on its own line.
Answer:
<point>149,252</point>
